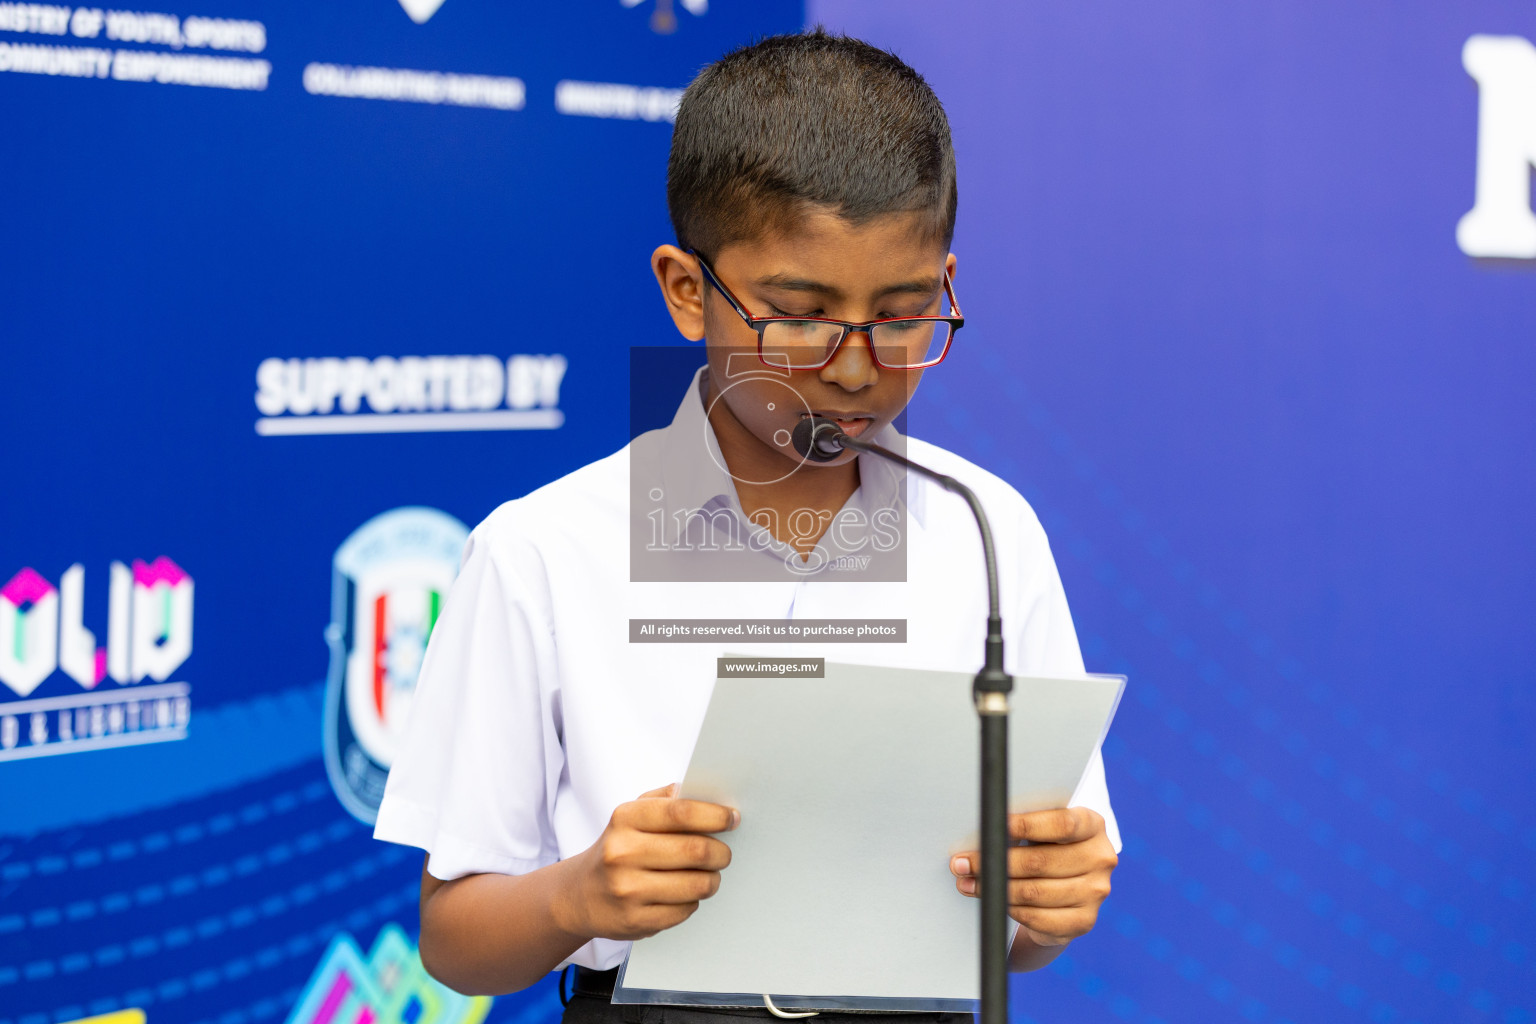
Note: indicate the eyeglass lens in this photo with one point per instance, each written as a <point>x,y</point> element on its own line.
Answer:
<point>807,343</point>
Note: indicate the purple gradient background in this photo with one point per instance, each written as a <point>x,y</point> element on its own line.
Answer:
<point>1278,427</point>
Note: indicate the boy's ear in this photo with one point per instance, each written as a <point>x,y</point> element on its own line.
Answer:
<point>682,289</point>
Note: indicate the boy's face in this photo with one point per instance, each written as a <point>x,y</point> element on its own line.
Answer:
<point>825,267</point>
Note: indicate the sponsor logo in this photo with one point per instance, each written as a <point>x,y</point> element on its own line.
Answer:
<point>388,583</point>
<point>664,18</point>
<point>388,986</point>
<point>409,394</point>
<point>420,10</point>
<point>403,85</point>
<point>618,101</point>
<point>1501,223</point>
<point>149,636</point>
<point>135,65</point>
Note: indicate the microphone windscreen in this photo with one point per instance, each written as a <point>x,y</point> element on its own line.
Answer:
<point>808,432</point>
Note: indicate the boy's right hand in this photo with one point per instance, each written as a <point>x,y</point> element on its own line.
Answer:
<point>651,866</point>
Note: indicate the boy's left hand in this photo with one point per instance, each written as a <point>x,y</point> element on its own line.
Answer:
<point>1055,886</point>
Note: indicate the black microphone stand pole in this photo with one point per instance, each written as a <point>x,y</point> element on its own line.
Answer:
<point>990,692</point>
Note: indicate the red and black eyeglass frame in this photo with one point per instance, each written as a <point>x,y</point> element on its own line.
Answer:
<point>760,323</point>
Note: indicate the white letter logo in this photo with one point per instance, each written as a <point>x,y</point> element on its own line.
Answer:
<point>1501,224</point>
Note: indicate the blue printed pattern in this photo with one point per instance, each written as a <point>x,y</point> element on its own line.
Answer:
<point>194,913</point>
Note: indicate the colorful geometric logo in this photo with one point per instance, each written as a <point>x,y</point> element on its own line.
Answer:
<point>29,624</point>
<point>389,986</point>
<point>149,626</point>
<point>148,636</point>
<point>388,583</point>
<point>120,1017</point>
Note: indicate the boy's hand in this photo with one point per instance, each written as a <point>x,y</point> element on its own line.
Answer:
<point>651,866</point>
<point>1055,887</point>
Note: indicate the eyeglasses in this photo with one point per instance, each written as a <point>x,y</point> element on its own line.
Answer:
<point>810,343</point>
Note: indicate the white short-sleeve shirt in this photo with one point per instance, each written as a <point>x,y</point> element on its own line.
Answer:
<point>534,716</point>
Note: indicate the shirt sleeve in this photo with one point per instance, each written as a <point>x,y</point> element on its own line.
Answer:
<point>474,779</point>
<point>1047,646</point>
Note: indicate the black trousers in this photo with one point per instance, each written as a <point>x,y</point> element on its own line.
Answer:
<point>589,1004</point>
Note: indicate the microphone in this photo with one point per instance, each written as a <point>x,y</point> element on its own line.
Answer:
<point>819,439</point>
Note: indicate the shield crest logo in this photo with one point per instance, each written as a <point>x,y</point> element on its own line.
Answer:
<point>389,580</point>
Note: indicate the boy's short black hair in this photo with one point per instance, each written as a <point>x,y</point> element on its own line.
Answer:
<point>809,119</point>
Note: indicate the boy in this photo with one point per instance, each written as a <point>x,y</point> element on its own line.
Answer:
<point>812,188</point>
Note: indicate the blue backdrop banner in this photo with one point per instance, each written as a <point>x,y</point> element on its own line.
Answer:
<point>291,295</point>
<point>296,294</point>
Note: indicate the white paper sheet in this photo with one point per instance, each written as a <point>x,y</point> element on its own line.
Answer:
<point>854,791</point>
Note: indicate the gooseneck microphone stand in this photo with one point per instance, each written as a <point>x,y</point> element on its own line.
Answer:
<point>820,440</point>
